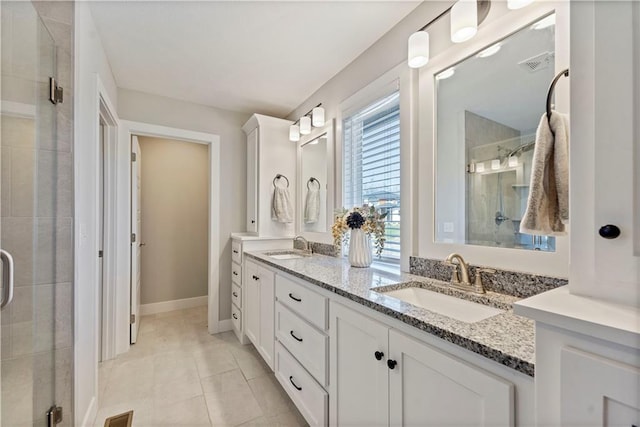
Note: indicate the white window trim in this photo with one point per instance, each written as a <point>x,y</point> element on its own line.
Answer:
<point>400,78</point>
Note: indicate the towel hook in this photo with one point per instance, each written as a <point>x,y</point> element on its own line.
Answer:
<point>278,176</point>
<point>551,89</point>
<point>311,180</point>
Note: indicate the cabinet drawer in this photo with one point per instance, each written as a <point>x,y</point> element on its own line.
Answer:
<point>236,317</point>
<point>236,295</point>
<point>236,252</point>
<point>310,399</point>
<point>236,273</point>
<point>305,342</point>
<point>310,305</point>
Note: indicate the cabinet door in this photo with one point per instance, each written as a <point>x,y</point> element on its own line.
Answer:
<point>252,302</point>
<point>252,181</point>
<point>359,383</point>
<point>430,388</point>
<point>267,315</point>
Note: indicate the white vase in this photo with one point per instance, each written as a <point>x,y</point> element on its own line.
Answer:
<point>360,249</point>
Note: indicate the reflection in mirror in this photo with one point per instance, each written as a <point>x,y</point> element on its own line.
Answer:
<point>488,108</point>
<point>314,185</point>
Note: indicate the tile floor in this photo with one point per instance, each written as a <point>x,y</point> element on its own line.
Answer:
<point>179,375</point>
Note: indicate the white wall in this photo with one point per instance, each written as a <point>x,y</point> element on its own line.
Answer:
<point>146,108</point>
<point>90,63</point>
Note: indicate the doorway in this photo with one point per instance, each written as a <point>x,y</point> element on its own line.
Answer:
<point>170,203</point>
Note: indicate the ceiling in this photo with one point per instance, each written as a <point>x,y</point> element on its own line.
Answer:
<point>246,56</point>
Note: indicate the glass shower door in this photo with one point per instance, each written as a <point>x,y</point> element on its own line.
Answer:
<point>32,350</point>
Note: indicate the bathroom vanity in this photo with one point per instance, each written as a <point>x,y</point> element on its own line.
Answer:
<point>361,346</point>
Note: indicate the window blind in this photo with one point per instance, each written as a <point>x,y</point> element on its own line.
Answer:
<point>371,164</point>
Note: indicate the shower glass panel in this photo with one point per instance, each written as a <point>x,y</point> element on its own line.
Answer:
<point>29,226</point>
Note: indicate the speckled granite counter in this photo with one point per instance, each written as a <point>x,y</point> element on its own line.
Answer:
<point>506,338</point>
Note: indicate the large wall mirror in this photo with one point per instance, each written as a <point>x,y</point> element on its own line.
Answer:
<point>479,106</point>
<point>488,107</point>
<point>315,172</point>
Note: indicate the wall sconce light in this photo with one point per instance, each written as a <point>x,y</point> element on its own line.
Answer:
<point>495,164</point>
<point>317,117</point>
<point>513,161</point>
<point>302,126</point>
<point>294,133</point>
<point>480,167</point>
<point>463,18</point>
<point>518,4</point>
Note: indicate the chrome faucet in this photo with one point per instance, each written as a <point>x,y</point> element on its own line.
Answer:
<point>460,274</point>
<point>307,248</point>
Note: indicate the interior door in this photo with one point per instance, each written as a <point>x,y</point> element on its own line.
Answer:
<point>136,228</point>
<point>36,355</point>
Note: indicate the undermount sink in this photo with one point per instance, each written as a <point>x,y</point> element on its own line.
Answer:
<point>459,309</point>
<point>286,256</point>
<point>290,254</point>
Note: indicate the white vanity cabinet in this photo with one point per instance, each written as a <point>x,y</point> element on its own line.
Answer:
<point>259,294</point>
<point>380,376</point>
<point>269,153</point>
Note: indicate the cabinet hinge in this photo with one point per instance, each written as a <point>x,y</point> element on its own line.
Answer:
<point>133,157</point>
<point>133,237</point>
<point>100,253</point>
<point>54,416</point>
<point>132,319</point>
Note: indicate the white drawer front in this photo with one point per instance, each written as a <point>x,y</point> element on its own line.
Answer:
<point>236,317</point>
<point>236,252</point>
<point>310,305</point>
<point>236,273</point>
<point>305,342</point>
<point>236,295</point>
<point>310,399</point>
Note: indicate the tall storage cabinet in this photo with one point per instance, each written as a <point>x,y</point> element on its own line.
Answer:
<point>269,153</point>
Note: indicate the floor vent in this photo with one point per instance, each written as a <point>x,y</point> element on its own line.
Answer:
<point>122,420</point>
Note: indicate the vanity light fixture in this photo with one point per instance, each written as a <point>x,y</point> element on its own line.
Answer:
<point>479,167</point>
<point>464,20</point>
<point>294,133</point>
<point>446,74</point>
<point>491,50</point>
<point>317,117</point>
<point>518,4</point>
<point>461,18</point>
<point>313,117</point>
<point>495,164</point>
<point>513,161</point>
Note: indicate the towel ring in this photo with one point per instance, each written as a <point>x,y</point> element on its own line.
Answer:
<point>311,180</point>
<point>278,177</point>
<point>551,89</point>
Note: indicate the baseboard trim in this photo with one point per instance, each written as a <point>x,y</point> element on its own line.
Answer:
<point>225,325</point>
<point>178,304</point>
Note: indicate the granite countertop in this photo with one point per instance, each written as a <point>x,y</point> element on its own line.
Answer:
<point>505,338</point>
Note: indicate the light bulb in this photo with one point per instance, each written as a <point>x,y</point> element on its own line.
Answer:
<point>317,117</point>
<point>418,55</point>
<point>294,133</point>
<point>305,125</point>
<point>464,20</point>
<point>518,4</point>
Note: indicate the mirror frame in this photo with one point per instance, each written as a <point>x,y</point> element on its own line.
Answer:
<point>545,263</point>
<point>316,236</point>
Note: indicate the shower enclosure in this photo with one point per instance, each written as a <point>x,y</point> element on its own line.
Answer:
<point>36,347</point>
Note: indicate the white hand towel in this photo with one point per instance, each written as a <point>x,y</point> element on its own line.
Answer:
<point>312,206</point>
<point>281,208</point>
<point>548,203</point>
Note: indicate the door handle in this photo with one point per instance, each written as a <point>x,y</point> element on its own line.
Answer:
<point>7,277</point>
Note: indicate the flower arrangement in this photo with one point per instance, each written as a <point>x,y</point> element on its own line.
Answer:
<point>367,218</point>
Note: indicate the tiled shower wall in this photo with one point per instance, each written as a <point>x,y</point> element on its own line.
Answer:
<point>37,227</point>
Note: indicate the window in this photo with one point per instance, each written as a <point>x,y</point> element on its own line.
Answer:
<point>371,164</point>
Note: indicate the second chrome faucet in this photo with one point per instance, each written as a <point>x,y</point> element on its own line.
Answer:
<point>460,276</point>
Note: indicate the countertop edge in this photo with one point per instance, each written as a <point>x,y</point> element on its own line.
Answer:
<point>483,350</point>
